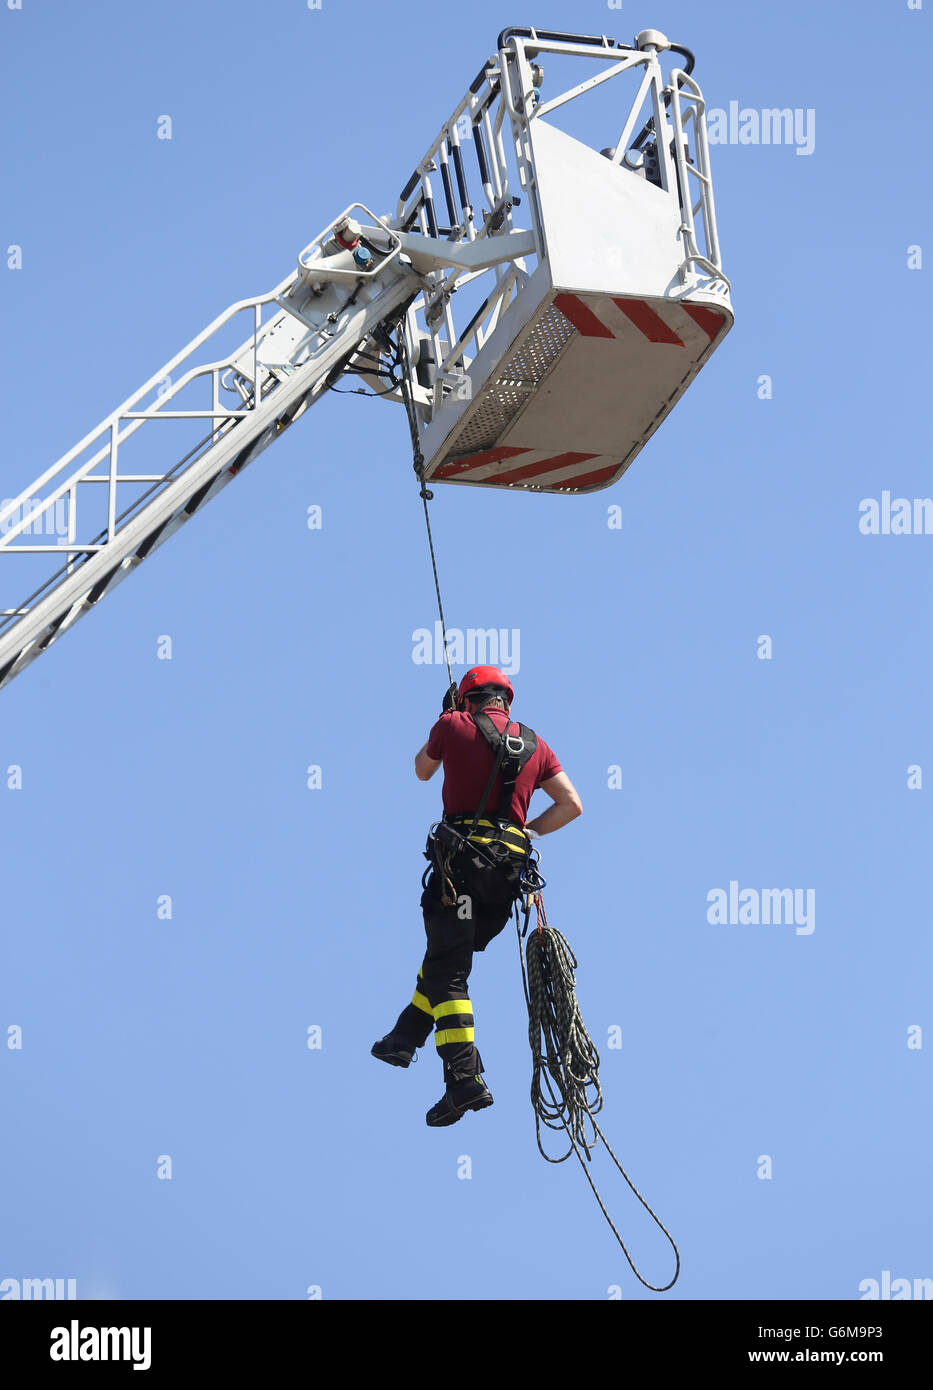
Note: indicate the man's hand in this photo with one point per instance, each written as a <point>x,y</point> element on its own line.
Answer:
<point>451,699</point>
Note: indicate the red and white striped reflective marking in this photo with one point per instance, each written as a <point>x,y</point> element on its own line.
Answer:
<point>708,319</point>
<point>639,313</point>
<point>582,316</point>
<point>648,321</point>
<point>512,464</point>
<point>532,466</point>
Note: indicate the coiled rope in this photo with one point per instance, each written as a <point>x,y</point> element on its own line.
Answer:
<point>565,1089</point>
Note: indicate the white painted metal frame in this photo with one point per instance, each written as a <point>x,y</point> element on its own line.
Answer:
<point>498,110</point>
<point>233,437</point>
<point>316,323</point>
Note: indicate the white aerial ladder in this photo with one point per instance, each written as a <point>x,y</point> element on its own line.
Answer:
<point>540,357</point>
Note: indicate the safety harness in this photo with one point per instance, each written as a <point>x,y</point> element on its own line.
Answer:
<point>456,833</point>
<point>511,752</point>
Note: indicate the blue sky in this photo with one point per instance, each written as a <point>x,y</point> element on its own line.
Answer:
<point>297,1168</point>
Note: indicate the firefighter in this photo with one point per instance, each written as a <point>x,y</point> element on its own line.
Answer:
<point>478,853</point>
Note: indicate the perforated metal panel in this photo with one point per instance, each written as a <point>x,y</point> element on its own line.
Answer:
<point>503,398</point>
<point>582,389</point>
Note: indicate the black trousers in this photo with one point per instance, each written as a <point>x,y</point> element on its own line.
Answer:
<point>484,898</point>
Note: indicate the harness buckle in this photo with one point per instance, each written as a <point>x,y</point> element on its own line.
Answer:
<point>447,835</point>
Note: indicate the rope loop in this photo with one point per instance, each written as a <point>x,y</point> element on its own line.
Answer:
<point>565,1089</point>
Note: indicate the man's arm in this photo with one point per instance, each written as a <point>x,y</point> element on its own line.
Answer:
<point>567,805</point>
<point>426,767</point>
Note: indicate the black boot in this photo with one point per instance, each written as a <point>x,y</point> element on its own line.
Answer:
<point>459,1097</point>
<point>394,1050</point>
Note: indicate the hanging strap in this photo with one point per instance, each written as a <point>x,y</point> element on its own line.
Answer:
<point>510,759</point>
<point>499,747</point>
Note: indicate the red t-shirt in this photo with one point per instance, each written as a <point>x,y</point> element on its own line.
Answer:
<point>467,757</point>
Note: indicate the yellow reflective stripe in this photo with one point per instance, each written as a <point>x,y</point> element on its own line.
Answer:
<point>489,825</point>
<point>453,1006</point>
<point>452,1035</point>
<point>420,1002</point>
<point>488,839</point>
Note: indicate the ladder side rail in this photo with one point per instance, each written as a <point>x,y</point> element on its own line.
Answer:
<point>78,552</point>
<point>699,170</point>
<point>109,450</point>
<point>153,382</point>
<point>72,547</point>
<point>37,509</point>
<point>88,582</point>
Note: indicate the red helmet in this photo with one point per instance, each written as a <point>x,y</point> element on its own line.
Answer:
<point>483,680</point>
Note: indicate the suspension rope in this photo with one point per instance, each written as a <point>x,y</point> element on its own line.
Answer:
<point>572,1062</point>
<point>426,494</point>
<point>569,1068</point>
